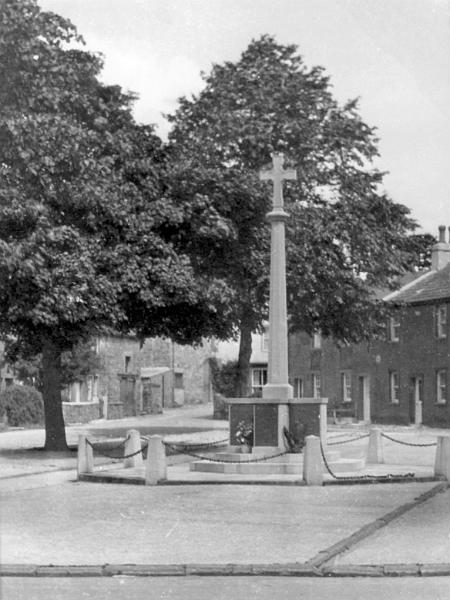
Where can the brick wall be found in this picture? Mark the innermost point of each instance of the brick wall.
(418, 353)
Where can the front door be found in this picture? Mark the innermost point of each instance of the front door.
(152, 394)
(415, 399)
(363, 404)
(127, 395)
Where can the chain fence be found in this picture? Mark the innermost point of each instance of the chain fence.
(427, 445)
(366, 477)
(97, 450)
(354, 439)
(194, 445)
(178, 450)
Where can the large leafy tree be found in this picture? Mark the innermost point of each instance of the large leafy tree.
(86, 234)
(345, 236)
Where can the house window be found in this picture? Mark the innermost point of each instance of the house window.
(441, 386)
(126, 365)
(394, 329)
(441, 321)
(317, 340)
(316, 385)
(178, 381)
(394, 387)
(346, 386)
(298, 388)
(259, 380)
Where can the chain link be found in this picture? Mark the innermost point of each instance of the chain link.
(198, 445)
(407, 443)
(387, 477)
(223, 461)
(359, 437)
(141, 450)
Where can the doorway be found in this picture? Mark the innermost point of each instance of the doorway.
(363, 406)
(127, 395)
(415, 400)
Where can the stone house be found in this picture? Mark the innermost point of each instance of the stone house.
(402, 378)
(137, 379)
(229, 351)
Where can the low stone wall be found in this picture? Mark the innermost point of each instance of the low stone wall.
(80, 412)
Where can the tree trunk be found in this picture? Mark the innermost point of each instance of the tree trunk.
(55, 434)
(243, 388)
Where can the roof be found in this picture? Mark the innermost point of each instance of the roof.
(427, 287)
(148, 372)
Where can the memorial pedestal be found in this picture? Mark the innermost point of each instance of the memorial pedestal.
(268, 416)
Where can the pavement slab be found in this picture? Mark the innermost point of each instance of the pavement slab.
(224, 588)
(90, 523)
(406, 539)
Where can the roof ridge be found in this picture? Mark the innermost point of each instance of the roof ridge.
(391, 295)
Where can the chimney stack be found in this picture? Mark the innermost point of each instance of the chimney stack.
(440, 252)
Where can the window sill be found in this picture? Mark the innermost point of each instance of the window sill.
(443, 403)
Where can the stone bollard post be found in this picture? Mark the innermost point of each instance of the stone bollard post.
(375, 448)
(156, 464)
(133, 444)
(442, 460)
(85, 460)
(312, 461)
(418, 413)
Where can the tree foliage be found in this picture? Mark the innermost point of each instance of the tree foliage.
(345, 236)
(87, 238)
(76, 365)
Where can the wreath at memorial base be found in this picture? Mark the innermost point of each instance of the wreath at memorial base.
(244, 433)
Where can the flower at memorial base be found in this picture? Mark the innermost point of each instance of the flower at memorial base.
(244, 433)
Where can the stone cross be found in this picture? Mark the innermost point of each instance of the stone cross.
(278, 387)
(277, 174)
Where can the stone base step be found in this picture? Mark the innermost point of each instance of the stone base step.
(260, 468)
(272, 467)
(231, 456)
(347, 465)
(331, 455)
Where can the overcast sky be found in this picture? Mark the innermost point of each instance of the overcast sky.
(393, 54)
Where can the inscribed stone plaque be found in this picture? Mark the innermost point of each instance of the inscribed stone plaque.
(266, 425)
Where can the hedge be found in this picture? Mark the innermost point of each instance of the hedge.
(23, 405)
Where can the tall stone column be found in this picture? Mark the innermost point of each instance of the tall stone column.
(278, 387)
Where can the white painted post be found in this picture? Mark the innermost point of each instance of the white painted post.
(438, 461)
(156, 467)
(85, 460)
(375, 448)
(418, 414)
(442, 461)
(133, 444)
(323, 421)
(312, 462)
(446, 457)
